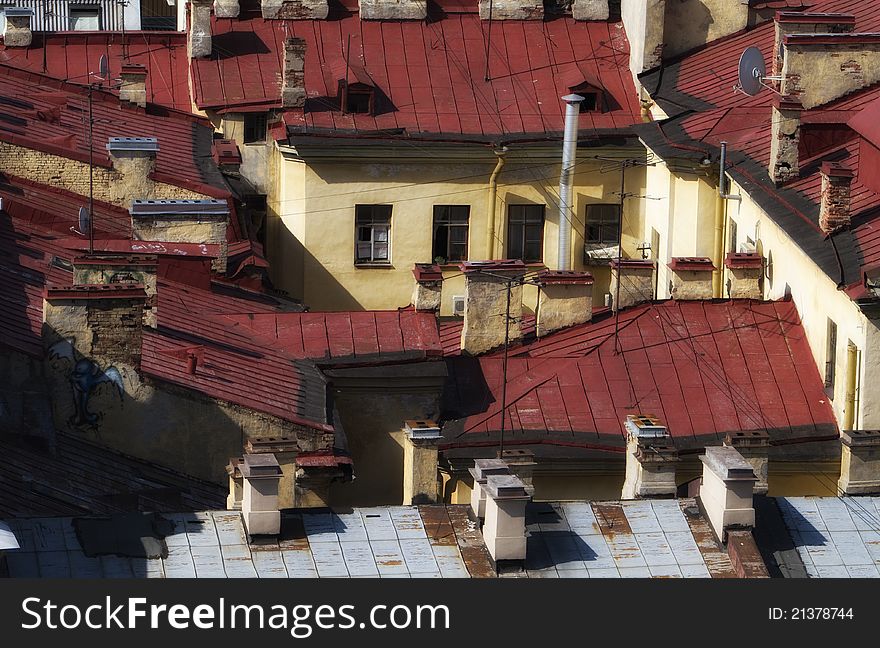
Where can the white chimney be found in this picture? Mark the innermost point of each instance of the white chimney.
(726, 490)
(480, 472)
(504, 530)
(859, 462)
(650, 459)
(259, 503)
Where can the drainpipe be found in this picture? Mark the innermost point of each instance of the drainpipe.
(569, 152)
(721, 223)
(849, 412)
(492, 200)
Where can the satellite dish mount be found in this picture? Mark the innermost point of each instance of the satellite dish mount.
(753, 73)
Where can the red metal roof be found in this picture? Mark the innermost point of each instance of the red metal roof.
(48, 115)
(72, 55)
(431, 74)
(704, 368)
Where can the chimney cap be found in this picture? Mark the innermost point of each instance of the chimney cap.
(560, 277)
(632, 263)
(485, 467)
(744, 260)
(469, 267)
(691, 264)
(116, 260)
(645, 426)
(427, 272)
(14, 12)
(260, 466)
(836, 170)
(97, 291)
(133, 144)
(506, 487)
(728, 463)
(804, 18)
(146, 207)
(422, 429)
(747, 439)
(133, 68)
(572, 98)
(847, 38)
(859, 438)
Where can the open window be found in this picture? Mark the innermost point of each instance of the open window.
(357, 98)
(594, 97)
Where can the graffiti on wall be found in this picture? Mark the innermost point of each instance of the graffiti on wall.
(85, 376)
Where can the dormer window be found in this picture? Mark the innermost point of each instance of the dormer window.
(594, 97)
(357, 98)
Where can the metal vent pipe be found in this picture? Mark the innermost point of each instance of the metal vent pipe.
(569, 153)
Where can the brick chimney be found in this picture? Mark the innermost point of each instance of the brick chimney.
(636, 282)
(651, 459)
(118, 269)
(260, 475)
(420, 462)
(818, 68)
(859, 462)
(428, 287)
(565, 298)
(834, 207)
(295, 9)
(393, 9)
(486, 296)
(133, 86)
(226, 9)
(512, 9)
(182, 221)
(504, 529)
(691, 277)
(17, 32)
(103, 322)
(481, 471)
(293, 86)
(785, 137)
(795, 22)
(590, 10)
(744, 273)
(726, 490)
(200, 28)
(133, 159)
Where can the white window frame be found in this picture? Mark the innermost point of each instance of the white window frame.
(85, 10)
(369, 251)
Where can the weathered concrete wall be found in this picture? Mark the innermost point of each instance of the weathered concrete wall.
(785, 137)
(691, 284)
(73, 175)
(636, 286)
(420, 479)
(18, 31)
(691, 23)
(745, 283)
(199, 42)
(192, 229)
(295, 9)
(512, 9)
(643, 21)
(563, 305)
(393, 9)
(226, 8)
(590, 10)
(817, 74)
(486, 311)
(255, 156)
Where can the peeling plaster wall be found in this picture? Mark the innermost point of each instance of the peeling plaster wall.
(818, 74)
(691, 23)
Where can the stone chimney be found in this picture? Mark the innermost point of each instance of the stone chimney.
(293, 86)
(17, 32)
(504, 530)
(486, 297)
(133, 159)
(295, 9)
(481, 471)
(102, 323)
(133, 86)
(226, 9)
(118, 269)
(393, 9)
(834, 207)
(859, 462)
(259, 502)
(182, 221)
(795, 22)
(420, 462)
(818, 68)
(428, 287)
(726, 490)
(512, 9)
(650, 459)
(785, 137)
(200, 28)
(590, 10)
(744, 273)
(521, 463)
(691, 277)
(754, 446)
(565, 298)
(635, 278)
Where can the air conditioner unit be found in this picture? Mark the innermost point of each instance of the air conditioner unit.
(645, 427)
(458, 305)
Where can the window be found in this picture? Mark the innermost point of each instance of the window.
(255, 128)
(590, 102)
(357, 98)
(525, 233)
(85, 18)
(830, 356)
(373, 233)
(450, 233)
(603, 224)
(593, 97)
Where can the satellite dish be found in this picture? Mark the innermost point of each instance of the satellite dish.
(103, 67)
(751, 71)
(84, 221)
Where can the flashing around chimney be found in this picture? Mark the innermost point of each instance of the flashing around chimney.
(859, 462)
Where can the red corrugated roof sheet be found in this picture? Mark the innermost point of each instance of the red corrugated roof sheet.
(431, 75)
(704, 368)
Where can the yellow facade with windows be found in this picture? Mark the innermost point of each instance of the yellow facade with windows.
(316, 188)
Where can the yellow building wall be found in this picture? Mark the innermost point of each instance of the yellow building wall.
(312, 221)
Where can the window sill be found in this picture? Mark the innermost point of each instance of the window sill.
(367, 265)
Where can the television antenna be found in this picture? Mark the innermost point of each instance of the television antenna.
(752, 73)
(100, 76)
